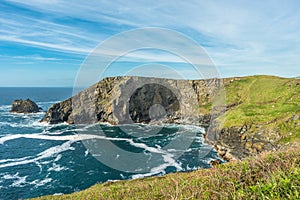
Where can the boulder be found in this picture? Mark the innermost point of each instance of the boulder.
(24, 106)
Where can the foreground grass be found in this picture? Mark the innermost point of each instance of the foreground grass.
(273, 175)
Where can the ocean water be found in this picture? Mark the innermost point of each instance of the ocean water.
(40, 159)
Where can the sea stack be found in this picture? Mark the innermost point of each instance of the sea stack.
(24, 106)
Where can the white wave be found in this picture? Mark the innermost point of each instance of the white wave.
(36, 136)
(19, 181)
(17, 125)
(51, 152)
(14, 160)
(27, 123)
(199, 139)
(161, 168)
(72, 138)
(176, 150)
(44, 162)
(47, 124)
(54, 151)
(106, 124)
(5, 123)
(58, 194)
(207, 160)
(27, 115)
(142, 126)
(192, 168)
(58, 157)
(5, 107)
(47, 132)
(57, 168)
(38, 183)
(9, 176)
(167, 157)
(86, 152)
(39, 166)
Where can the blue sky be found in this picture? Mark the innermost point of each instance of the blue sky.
(43, 43)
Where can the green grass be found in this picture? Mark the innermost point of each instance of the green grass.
(273, 175)
(265, 101)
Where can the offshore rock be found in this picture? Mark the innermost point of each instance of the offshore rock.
(26, 106)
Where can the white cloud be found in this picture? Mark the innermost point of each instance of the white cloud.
(241, 34)
(62, 48)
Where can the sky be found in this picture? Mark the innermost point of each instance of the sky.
(44, 43)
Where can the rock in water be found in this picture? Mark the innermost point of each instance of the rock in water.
(26, 106)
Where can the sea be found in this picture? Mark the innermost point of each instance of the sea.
(39, 159)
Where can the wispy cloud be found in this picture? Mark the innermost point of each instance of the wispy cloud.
(37, 58)
(57, 47)
(245, 36)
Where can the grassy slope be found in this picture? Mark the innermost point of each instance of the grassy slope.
(265, 102)
(269, 176)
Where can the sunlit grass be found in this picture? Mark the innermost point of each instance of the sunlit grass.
(265, 101)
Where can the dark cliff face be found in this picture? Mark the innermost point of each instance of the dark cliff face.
(121, 100)
(59, 112)
(152, 102)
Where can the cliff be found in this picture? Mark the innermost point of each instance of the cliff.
(242, 116)
(120, 100)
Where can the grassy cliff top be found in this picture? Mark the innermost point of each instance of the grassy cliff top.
(264, 102)
(273, 175)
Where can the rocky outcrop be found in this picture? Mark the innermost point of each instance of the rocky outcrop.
(238, 143)
(120, 100)
(24, 106)
(59, 112)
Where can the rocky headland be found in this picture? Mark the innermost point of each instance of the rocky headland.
(242, 116)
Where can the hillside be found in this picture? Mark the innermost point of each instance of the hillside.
(263, 113)
(265, 104)
(275, 175)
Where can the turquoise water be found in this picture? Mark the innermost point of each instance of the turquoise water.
(40, 159)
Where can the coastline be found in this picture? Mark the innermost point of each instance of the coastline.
(243, 125)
